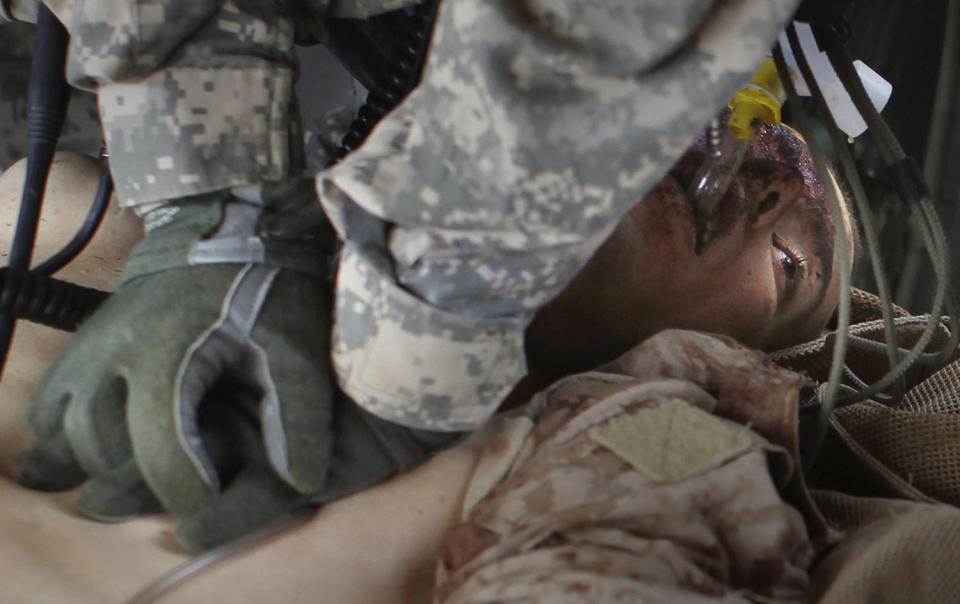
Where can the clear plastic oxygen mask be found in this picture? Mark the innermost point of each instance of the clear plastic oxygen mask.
(754, 105)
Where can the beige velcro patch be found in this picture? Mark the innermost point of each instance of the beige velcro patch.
(672, 441)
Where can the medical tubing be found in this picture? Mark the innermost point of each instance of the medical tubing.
(930, 220)
(714, 178)
(718, 170)
(891, 347)
(933, 243)
(930, 229)
(843, 257)
(937, 133)
(45, 300)
(934, 239)
(863, 208)
(47, 101)
(929, 214)
(86, 232)
(903, 170)
(869, 233)
(204, 561)
(399, 79)
(869, 345)
(853, 377)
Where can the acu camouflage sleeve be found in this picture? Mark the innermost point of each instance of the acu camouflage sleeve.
(195, 95)
(536, 125)
(80, 133)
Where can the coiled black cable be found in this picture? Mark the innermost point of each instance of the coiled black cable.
(47, 101)
(28, 295)
(398, 73)
(33, 294)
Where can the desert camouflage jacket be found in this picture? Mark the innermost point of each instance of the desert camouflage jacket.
(672, 475)
(656, 478)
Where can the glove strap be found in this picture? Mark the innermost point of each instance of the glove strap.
(219, 228)
(220, 342)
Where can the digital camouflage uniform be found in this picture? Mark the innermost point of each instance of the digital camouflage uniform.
(535, 127)
(81, 132)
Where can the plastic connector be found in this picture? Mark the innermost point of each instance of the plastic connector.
(758, 102)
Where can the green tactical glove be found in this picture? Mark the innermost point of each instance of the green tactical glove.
(203, 386)
(207, 310)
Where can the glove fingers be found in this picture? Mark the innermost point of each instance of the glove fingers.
(86, 356)
(45, 408)
(296, 411)
(95, 423)
(295, 417)
(49, 461)
(160, 453)
(120, 494)
(256, 498)
(50, 465)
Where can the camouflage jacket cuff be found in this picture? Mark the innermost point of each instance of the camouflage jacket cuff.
(188, 130)
(410, 363)
(222, 228)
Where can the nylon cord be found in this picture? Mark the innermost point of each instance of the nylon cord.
(930, 227)
(843, 260)
(232, 549)
(863, 209)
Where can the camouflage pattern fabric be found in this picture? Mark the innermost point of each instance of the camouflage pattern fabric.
(325, 115)
(535, 127)
(195, 96)
(641, 481)
(81, 132)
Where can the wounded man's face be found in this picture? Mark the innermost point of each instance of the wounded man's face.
(768, 275)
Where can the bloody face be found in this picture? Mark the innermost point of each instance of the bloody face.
(768, 275)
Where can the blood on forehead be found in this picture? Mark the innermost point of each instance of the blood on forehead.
(780, 143)
(783, 144)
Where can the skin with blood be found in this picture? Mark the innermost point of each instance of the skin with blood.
(646, 277)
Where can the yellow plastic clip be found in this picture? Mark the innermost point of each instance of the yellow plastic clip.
(759, 101)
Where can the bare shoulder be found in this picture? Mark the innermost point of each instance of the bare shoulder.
(379, 545)
(49, 554)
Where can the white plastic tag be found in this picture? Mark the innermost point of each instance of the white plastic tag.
(841, 107)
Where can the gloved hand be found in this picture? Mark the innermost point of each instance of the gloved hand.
(120, 411)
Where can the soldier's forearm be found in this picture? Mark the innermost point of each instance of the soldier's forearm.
(536, 125)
